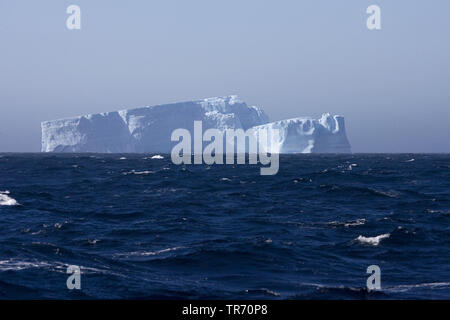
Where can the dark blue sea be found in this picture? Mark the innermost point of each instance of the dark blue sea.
(143, 228)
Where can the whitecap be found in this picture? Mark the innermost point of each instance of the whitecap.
(154, 253)
(357, 222)
(411, 160)
(15, 265)
(374, 241)
(142, 172)
(123, 158)
(18, 265)
(225, 179)
(351, 223)
(138, 172)
(5, 200)
(264, 290)
(323, 286)
(406, 287)
(149, 253)
(389, 193)
(158, 156)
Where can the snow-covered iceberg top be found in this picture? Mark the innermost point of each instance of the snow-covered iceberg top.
(148, 129)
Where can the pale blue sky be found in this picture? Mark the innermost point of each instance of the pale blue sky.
(293, 58)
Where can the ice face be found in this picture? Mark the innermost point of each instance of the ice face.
(306, 135)
(149, 129)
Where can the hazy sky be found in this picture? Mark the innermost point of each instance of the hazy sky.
(292, 58)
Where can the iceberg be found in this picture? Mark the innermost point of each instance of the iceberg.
(148, 129)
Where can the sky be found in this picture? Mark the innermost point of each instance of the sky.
(290, 57)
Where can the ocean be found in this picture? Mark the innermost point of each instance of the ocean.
(140, 227)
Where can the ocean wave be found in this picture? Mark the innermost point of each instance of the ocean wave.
(17, 265)
(324, 291)
(407, 287)
(374, 241)
(138, 172)
(148, 253)
(388, 193)
(263, 291)
(158, 156)
(5, 200)
(319, 286)
(351, 223)
(231, 244)
(385, 289)
(355, 223)
(56, 266)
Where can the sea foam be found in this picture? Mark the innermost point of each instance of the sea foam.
(374, 241)
(5, 200)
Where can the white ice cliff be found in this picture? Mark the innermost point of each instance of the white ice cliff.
(149, 129)
(306, 135)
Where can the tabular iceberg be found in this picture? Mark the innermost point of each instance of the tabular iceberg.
(148, 129)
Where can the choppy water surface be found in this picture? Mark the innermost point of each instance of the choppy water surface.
(144, 228)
